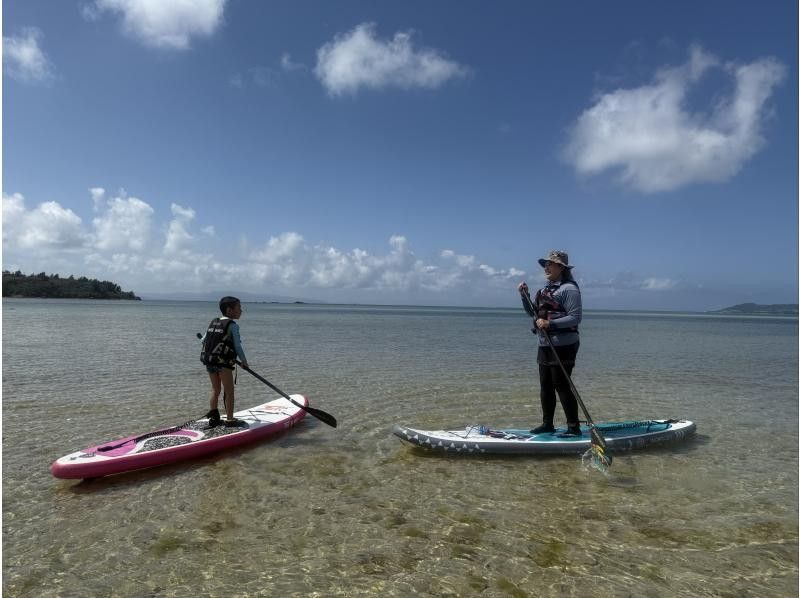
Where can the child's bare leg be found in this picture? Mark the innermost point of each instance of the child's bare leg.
(226, 376)
(216, 387)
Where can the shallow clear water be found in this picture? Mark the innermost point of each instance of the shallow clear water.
(351, 511)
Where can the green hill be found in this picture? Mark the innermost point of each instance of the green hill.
(775, 309)
(17, 284)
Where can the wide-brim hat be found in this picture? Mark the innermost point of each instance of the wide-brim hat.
(558, 257)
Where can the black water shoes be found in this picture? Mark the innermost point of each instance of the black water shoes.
(543, 429)
(571, 431)
(213, 418)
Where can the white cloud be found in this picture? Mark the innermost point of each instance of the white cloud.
(48, 227)
(658, 284)
(123, 225)
(659, 142)
(24, 60)
(98, 197)
(359, 59)
(13, 213)
(178, 236)
(632, 281)
(123, 243)
(169, 24)
(287, 260)
(287, 64)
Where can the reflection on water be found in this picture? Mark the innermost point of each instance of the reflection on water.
(351, 511)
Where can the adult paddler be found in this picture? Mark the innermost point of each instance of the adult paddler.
(556, 311)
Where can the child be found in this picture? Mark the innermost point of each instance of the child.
(221, 347)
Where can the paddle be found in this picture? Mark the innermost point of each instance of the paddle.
(599, 451)
(318, 413)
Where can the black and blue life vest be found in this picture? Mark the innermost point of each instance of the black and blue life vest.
(218, 349)
(548, 307)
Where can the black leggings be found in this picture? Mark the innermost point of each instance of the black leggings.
(552, 380)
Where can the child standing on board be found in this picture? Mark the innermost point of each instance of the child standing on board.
(221, 347)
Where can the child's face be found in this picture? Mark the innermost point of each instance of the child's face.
(235, 312)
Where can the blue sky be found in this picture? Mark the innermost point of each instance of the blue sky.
(405, 152)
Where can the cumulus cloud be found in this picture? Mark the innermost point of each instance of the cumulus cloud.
(98, 197)
(632, 281)
(159, 24)
(124, 224)
(23, 58)
(178, 236)
(359, 59)
(658, 284)
(47, 227)
(659, 142)
(123, 241)
(289, 261)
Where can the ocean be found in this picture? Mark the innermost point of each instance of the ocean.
(352, 511)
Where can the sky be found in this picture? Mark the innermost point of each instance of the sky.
(405, 152)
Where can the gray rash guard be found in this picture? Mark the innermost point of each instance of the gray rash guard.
(569, 297)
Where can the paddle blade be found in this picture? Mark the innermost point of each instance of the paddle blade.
(321, 415)
(597, 439)
(601, 458)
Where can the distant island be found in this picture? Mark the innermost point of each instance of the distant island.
(42, 285)
(775, 309)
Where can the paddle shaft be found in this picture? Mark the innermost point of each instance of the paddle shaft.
(318, 413)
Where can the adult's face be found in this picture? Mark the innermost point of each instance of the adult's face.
(553, 271)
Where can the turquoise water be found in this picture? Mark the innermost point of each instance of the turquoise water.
(351, 511)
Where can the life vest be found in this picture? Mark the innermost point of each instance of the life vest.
(548, 307)
(218, 347)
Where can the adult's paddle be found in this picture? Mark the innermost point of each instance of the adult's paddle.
(599, 450)
(318, 413)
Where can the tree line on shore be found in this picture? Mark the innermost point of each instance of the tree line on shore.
(17, 284)
(775, 309)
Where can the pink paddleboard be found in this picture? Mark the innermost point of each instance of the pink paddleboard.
(194, 439)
